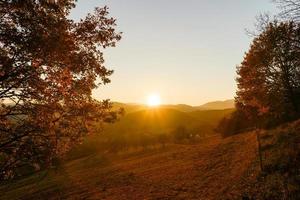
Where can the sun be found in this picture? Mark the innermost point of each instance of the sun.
(153, 100)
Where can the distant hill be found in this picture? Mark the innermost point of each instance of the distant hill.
(211, 117)
(152, 120)
(149, 125)
(141, 124)
(181, 107)
(217, 105)
(164, 120)
(132, 107)
(129, 107)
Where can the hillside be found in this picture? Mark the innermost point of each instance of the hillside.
(164, 120)
(129, 107)
(181, 107)
(215, 105)
(211, 117)
(150, 127)
(215, 168)
(176, 172)
(145, 125)
(155, 120)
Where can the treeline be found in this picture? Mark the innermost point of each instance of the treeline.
(136, 141)
(142, 140)
(268, 79)
(145, 139)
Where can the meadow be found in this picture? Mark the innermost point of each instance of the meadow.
(65, 134)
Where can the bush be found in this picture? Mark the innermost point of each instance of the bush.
(181, 133)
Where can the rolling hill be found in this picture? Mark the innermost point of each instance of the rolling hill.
(164, 120)
(149, 126)
(215, 105)
(155, 119)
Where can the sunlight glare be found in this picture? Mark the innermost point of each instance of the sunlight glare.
(153, 100)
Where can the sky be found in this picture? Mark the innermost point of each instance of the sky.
(184, 51)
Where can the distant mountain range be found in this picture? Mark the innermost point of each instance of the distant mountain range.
(215, 105)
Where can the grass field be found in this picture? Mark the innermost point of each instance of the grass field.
(207, 170)
(214, 168)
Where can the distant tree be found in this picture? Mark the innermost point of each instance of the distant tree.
(49, 65)
(117, 144)
(162, 139)
(181, 133)
(269, 77)
(235, 123)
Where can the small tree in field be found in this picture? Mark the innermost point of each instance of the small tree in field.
(181, 133)
(162, 139)
(49, 66)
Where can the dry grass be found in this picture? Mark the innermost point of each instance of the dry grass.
(215, 168)
(212, 169)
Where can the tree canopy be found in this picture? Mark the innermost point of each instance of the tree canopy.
(269, 77)
(49, 66)
(268, 80)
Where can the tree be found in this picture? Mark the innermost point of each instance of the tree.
(162, 139)
(269, 77)
(236, 122)
(290, 9)
(181, 133)
(49, 66)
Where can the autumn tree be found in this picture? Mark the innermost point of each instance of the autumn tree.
(49, 66)
(269, 77)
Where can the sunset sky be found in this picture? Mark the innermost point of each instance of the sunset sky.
(185, 51)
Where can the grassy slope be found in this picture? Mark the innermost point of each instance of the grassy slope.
(206, 170)
(281, 162)
(216, 168)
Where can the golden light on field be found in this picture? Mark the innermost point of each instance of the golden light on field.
(153, 100)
